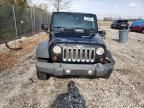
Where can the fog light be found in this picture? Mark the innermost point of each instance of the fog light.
(68, 71)
(90, 72)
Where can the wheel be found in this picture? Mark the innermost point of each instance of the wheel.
(42, 76)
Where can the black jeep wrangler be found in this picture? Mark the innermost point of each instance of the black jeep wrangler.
(75, 48)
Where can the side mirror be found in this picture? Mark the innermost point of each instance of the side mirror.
(45, 27)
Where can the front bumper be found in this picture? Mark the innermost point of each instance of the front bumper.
(62, 69)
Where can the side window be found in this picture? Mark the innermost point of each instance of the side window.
(114, 22)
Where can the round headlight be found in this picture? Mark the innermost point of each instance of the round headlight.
(100, 51)
(57, 49)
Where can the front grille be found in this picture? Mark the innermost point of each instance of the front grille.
(74, 54)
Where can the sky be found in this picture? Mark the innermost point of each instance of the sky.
(128, 8)
(110, 7)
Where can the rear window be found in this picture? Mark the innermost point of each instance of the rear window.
(119, 21)
(125, 21)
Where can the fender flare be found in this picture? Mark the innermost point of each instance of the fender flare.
(42, 50)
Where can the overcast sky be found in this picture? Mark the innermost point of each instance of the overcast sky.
(133, 8)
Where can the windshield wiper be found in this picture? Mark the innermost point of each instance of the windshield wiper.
(58, 29)
(62, 29)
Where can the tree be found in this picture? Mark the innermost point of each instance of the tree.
(21, 3)
(59, 5)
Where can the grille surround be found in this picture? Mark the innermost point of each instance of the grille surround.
(78, 54)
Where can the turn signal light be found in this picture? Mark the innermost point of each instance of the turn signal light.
(55, 58)
(102, 60)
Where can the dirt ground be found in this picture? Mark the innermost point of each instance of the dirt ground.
(9, 58)
(20, 88)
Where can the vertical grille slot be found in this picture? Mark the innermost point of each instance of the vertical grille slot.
(64, 54)
(83, 54)
(87, 55)
(74, 54)
(69, 54)
(92, 55)
(78, 54)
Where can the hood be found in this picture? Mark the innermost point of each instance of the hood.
(96, 40)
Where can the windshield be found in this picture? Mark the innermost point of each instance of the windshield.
(74, 20)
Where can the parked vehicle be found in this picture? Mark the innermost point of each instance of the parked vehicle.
(137, 26)
(75, 48)
(120, 24)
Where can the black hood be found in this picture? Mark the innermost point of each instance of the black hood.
(94, 40)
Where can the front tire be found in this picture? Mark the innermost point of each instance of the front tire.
(42, 76)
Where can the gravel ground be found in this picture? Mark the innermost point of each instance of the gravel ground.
(20, 88)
